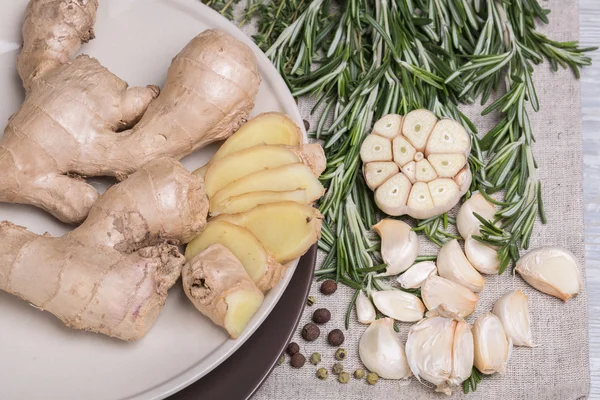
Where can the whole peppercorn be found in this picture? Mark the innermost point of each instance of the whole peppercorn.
(321, 316)
(281, 359)
(292, 348)
(315, 358)
(372, 378)
(337, 368)
(328, 287)
(344, 377)
(340, 354)
(335, 337)
(322, 373)
(298, 360)
(310, 300)
(359, 373)
(311, 332)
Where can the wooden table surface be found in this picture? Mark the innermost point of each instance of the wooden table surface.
(590, 100)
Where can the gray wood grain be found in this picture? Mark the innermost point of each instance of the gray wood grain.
(590, 92)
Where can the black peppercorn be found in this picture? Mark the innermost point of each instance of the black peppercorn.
(328, 287)
(335, 337)
(311, 332)
(292, 348)
(321, 316)
(298, 360)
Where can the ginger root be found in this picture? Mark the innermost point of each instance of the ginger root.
(111, 274)
(75, 118)
(219, 287)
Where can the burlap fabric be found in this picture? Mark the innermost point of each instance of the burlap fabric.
(559, 367)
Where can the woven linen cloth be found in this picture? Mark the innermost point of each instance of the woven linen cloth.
(559, 367)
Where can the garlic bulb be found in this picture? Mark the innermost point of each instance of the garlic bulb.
(382, 352)
(482, 257)
(399, 245)
(365, 311)
(551, 270)
(399, 305)
(429, 349)
(463, 353)
(414, 277)
(466, 222)
(492, 347)
(447, 298)
(513, 312)
(452, 264)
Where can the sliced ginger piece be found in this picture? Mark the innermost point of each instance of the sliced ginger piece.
(260, 265)
(448, 136)
(246, 161)
(424, 172)
(419, 201)
(388, 126)
(377, 172)
(286, 229)
(404, 152)
(217, 284)
(266, 128)
(376, 148)
(410, 171)
(417, 126)
(391, 197)
(447, 165)
(287, 177)
(248, 201)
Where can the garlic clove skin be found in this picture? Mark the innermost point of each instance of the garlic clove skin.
(513, 312)
(405, 307)
(452, 264)
(382, 352)
(466, 222)
(365, 311)
(399, 245)
(447, 298)
(414, 277)
(429, 349)
(492, 346)
(482, 257)
(552, 270)
(463, 354)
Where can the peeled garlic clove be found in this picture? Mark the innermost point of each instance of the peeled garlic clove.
(492, 346)
(424, 172)
(376, 148)
(403, 151)
(376, 173)
(365, 311)
(448, 136)
(513, 312)
(410, 171)
(420, 202)
(447, 165)
(551, 270)
(447, 298)
(462, 354)
(466, 222)
(417, 126)
(382, 352)
(391, 196)
(399, 245)
(429, 349)
(452, 264)
(482, 257)
(388, 126)
(399, 305)
(414, 277)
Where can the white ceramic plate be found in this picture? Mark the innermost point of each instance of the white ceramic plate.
(39, 357)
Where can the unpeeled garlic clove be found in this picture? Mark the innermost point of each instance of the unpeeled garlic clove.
(492, 346)
(452, 264)
(482, 257)
(447, 298)
(399, 245)
(365, 311)
(552, 270)
(414, 277)
(429, 349)
(382, 352)
(513, 312)
(399, 305)
(466, 222)
(463, 353)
